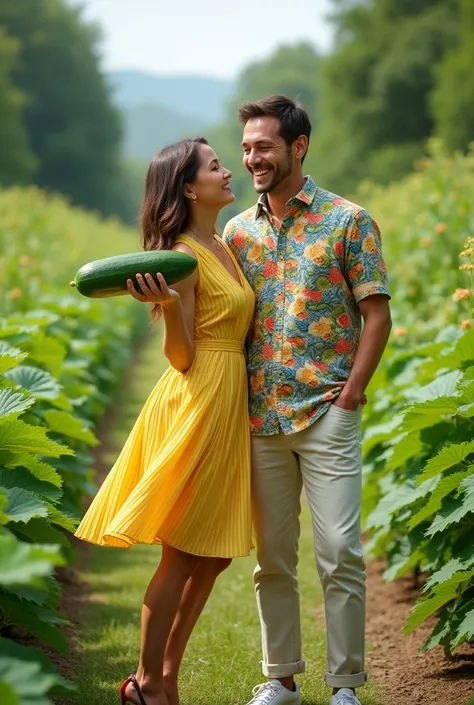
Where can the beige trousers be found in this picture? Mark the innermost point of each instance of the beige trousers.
(326, 459)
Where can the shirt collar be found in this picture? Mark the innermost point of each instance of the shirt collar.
(306, 196)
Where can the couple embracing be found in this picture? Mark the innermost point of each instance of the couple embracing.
(269, 364)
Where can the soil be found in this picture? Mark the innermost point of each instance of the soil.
(408, 675)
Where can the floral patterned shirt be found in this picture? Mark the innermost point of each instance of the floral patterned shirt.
(308, 279)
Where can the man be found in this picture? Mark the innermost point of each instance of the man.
(315, 263)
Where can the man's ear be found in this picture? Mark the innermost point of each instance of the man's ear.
(301, 146)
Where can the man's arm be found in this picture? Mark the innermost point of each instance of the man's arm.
(377, 325)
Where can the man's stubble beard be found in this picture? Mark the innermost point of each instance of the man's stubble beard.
(281, 172)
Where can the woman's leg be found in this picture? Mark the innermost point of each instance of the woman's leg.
(160, 606)
(194, 597)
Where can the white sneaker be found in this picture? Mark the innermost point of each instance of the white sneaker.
(274, 693)
(345, 696)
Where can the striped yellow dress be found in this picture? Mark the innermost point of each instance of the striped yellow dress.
(183, 476)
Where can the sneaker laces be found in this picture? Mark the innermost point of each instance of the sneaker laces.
(344, 699)
(264, 693)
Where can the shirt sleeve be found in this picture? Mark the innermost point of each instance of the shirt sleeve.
(365, 270)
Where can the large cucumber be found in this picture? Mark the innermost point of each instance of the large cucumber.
(108, 277)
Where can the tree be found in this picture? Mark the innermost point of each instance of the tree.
(376, 85)
(73, 129)
(452, 100)
(16, 161)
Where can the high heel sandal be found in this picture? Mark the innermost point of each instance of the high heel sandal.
(131, 679)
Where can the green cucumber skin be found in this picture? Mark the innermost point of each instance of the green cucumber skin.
(108, 277)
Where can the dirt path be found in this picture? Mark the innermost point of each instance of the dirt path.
(409, 676)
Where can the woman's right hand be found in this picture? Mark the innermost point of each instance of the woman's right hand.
(150, 293)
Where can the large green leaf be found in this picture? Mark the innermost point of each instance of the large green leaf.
(442, 387)
(468, 374)
(41, 531)
(401, 496)
(26, 680)
(466, 410)
(465, 631)
(42, 471)
(22, 563)
(378, 433)
(13, 403)
(67, 425)
(21, 477)
(441, 632)
(448, 457)
(41, 384)
(20, 437)
(461, 353)
(62, 520)
(40, 316)
(441, 595)
(23, 505)
(46, 350)
(10, 357)
(429, 412)
(406, 447)
(62, 402)
(404, 557)
(454, 509)
(445, 573)
(29, 654)
(41, 622)
(445, 486)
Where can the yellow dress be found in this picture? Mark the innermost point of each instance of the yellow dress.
(183, 476)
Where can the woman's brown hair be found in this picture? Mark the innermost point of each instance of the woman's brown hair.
(165, 211)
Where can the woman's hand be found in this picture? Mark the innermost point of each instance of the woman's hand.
(150, 293)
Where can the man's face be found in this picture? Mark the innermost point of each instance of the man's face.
(266, 154)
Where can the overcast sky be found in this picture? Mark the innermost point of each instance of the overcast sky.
(203, 36)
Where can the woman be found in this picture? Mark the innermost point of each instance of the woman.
(183, 477)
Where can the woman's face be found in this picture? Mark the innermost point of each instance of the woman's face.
(211, 186)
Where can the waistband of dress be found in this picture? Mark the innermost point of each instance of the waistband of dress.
(224, 344)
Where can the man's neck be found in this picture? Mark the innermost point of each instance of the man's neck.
(277, 200)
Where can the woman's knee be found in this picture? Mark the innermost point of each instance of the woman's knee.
(210, 568)
(221, 564)
(185, 563)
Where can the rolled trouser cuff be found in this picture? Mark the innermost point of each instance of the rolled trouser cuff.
(283, 670)
(352, 680)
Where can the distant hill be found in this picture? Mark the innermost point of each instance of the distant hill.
(199, 96)
(158, 110)
(149, 127)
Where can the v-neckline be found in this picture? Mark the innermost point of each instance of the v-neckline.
(238, 271)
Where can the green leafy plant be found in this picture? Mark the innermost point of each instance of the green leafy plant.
(419, 441)
(61, 357)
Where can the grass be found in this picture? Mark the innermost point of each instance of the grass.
(222, 662)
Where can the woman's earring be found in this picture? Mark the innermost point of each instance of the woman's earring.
(194, 197)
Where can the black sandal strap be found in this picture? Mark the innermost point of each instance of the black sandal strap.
(134, 682)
